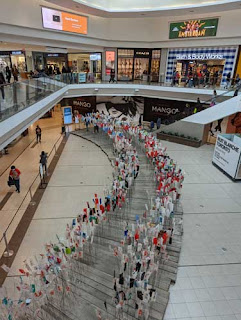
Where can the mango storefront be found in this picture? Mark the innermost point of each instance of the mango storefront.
(218, 62)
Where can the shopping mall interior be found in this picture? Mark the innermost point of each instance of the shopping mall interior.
(120, 160)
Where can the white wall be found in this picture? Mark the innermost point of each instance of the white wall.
(111, 32)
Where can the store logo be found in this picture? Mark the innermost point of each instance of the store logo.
(142, 53)
(167, 111)
(83, 104)
(201, 56)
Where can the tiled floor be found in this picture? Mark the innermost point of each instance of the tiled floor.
(208, 284)
(67, 192)
(27, 160)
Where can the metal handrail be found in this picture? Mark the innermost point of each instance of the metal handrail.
(28, 192)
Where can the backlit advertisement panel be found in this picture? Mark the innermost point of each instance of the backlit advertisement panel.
(64, 21)
(196, 28)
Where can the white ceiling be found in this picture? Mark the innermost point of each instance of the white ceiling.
(137, 8)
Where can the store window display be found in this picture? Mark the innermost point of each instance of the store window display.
(125, 64)
(90, 63)
(139, 64)
(18, 59)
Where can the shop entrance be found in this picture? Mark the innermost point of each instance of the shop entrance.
(206, 72)
(19, 61)
(56, 62)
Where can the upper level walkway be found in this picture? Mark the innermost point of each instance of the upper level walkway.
(25, 102)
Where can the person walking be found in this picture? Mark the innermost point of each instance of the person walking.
(112, 76)
(2, 83)
(14, 174)
(43, 161)
(38, 131)
(8, 74)
(158, 123)
(152, 124)
(228, 78)
(15, 73)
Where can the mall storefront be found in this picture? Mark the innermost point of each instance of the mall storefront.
(13, 58)
(138, 64)
(197, 61)
(55, 60)
(89, 63)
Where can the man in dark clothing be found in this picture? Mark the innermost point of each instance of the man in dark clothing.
(38, 133)
(2, 82)
(43, 160)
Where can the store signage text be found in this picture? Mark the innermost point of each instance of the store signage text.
(227, 146)
(82, 104)
(201, 56)
(16, 52)
(142, 53)
(165, 110)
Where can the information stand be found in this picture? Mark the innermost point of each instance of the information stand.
(227, 154)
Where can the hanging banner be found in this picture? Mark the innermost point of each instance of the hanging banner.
(193, 28)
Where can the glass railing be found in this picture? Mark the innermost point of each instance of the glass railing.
(183, 82)
(17, 96)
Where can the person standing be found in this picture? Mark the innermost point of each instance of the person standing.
(112, 76)
(158, 123)
(2, 83)
(152, 125)
(8, 74)
(43, 160)
(38, 131)
(228, 78)
(15, 73)
(14, 174)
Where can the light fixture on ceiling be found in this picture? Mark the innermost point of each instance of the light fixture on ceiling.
(96, 89)
(136, 90)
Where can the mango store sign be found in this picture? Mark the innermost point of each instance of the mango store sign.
(200, 56)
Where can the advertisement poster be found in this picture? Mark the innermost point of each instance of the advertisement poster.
(168, 110)
(67, 114)
(80, 105)
(226, 155)
(230, 124)
(109, 61)
(122, 108)
(193, 28)
(82, 77)
(64, 21)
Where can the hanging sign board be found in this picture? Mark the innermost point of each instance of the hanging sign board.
(196, 28)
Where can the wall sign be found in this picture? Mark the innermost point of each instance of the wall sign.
(193, 28)
(226, 155)
(80, 105)
(203, 56)
(168, 110)
(82, 77)
(142, 53)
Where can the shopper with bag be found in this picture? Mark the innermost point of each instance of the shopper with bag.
(14, 175)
